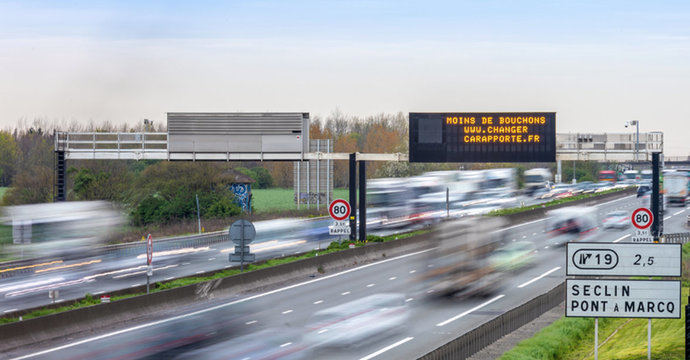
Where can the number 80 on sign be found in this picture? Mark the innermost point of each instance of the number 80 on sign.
(339, 209)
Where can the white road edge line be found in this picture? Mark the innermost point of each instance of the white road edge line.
(539, 277)
(287, 311)
(676, 213)
(443, 323)
(318, 302)
(666, 218)
(143, 326)
(10, 310)
(391, 346)
(621, 238)
(250, 322)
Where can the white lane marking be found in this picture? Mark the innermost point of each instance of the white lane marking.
(286, 344)
(430, 291)
(135, 285)
(666, 218)
(409, 299)
(539, 277)
(168, 278)
(287, 311)
(200, 272)
(371, 285)
(621, 238)
(676, 213)
(154, 323)
(9, 311)
(250, 322)
(443, 323)
(413, 271)
(524, 236)
(211, 259)
(98, 292)
(391, 346)
(523, 224)
(322, 331)
(318, 302)
(185, 264)
(392, 278)
(546, 247)
(534, 233)
(345, 293)
(143, 272)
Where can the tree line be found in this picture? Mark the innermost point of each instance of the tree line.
(162, 191)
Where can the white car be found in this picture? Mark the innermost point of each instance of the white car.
(616, 220)
(358, 321)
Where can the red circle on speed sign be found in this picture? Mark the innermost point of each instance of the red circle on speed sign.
(642, 218)
(339, 209)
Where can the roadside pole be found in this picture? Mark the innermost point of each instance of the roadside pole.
(362, 201)
(596, 338)
(656, 205)
(353, 196)
(149, 258)
(447, 202)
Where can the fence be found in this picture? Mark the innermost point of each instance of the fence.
(473, 341)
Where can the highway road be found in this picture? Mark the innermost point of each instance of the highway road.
(278, 319)
(103, 274)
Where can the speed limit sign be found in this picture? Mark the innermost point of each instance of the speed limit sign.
(339, 209)
(642, 218)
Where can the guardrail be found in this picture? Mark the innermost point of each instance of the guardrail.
(676, 238)
(478, 338)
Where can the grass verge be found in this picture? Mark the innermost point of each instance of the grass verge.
(88, 300)
(622, 339)
(270, 200)
(510, 211)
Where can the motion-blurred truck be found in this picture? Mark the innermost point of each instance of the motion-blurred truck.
(463, 263)
(676, 188)
(536, 179)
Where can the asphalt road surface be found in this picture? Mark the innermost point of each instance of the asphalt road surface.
(280, 319)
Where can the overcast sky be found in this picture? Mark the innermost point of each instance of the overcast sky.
(596, 63)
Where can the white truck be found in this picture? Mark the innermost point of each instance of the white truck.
(676, 188)
(535, 179)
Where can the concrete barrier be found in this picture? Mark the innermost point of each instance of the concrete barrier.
(485, 334)
(99, 316)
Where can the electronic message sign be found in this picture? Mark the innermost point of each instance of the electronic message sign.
(483, 137)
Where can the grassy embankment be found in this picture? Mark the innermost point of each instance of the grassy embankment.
(573, 338)
(333, 247)
(515, 210)
(271, 200)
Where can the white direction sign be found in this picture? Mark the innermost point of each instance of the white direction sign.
(659, 299)
(623, 259)
(339, 228)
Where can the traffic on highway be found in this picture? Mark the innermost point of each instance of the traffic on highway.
(479, 266)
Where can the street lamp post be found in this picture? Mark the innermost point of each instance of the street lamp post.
(637, 137)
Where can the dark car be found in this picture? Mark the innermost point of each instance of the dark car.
(643, 190)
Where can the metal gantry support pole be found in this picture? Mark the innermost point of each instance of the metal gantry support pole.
(656, 204)
(318, 183)
(299, 175)
(353, 196)
(362, 200)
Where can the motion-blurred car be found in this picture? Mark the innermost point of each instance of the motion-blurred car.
(571, 224)
(643, 190)
(357, 322)
(514, 256)
(262, 345)
(616, 220)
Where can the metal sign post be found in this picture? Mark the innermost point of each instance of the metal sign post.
(149, 258)
(242, 233)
